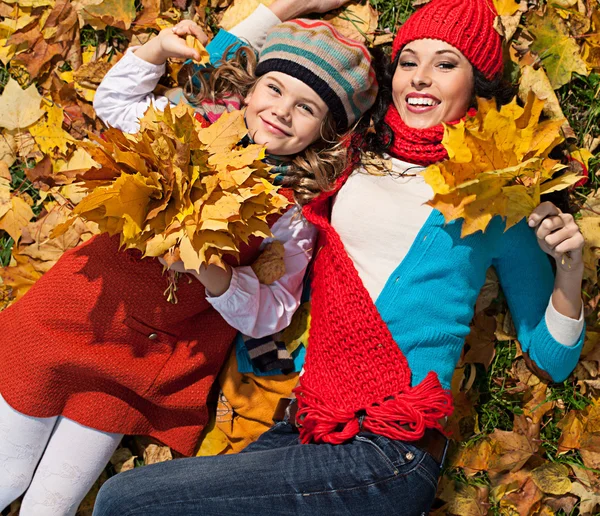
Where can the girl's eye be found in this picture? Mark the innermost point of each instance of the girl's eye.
(307, 108)
(274, 88)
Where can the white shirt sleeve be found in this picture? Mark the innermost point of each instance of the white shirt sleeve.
(254, 28)
(259, 310)
(126, 92)
(563, 329)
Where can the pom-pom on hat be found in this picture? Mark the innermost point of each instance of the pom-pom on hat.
(467, 25)
(338, 69)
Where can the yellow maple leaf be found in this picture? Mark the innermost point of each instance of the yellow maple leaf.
(15, 213)
(19, 108)
(498, 165)
(49, 134)
(176, 189)
(193, 42)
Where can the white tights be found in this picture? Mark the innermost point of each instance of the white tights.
(54, 459)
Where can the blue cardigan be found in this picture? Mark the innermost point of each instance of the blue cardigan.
(428, 301)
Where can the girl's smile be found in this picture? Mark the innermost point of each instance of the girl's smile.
(284, 114)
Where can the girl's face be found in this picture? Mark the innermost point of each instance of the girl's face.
(284, 114)
(433, 83)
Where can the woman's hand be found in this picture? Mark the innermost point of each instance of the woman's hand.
(171, 43)
(559, 236)
(288, 9)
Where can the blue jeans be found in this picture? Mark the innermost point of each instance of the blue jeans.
(276, 476)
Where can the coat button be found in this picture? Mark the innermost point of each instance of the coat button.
(153, 336)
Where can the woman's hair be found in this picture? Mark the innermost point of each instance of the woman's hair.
(313, 170)
(381, 136)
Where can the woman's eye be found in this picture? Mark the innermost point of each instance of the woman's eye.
(447, 66)
(407, 64)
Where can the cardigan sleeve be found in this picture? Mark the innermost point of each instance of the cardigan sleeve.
(526, 277)
(125, 93)
(259, 310)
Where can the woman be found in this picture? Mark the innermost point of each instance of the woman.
(393, 294)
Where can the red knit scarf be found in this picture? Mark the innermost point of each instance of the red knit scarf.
(356, 376)
(418, 146)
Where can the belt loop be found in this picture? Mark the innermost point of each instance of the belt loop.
(361, 414)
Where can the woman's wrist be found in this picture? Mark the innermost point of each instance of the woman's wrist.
(566, 296)
(289, 9)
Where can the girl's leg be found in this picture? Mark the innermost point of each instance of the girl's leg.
(73, 460)
(22, 442)
(368, 476)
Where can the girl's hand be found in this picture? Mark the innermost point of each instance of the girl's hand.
(214, 279)
(559, 236)
(171, 43)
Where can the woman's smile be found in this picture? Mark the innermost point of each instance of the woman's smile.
(421, 103)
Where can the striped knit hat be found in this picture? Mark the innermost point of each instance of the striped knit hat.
(467, 25)
(338, 69)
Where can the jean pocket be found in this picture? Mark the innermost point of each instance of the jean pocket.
(401, 457)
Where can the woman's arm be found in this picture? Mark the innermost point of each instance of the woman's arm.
(250, 307)
(552, 339)
(559, 236)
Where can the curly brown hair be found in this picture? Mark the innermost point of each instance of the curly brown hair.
(313, 170)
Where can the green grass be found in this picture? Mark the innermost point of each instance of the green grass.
(392, 12)
(497, 405)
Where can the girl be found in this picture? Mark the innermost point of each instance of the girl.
(393, 293)
(94, 349)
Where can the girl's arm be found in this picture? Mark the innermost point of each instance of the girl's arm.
(552, 336)
(125, 93)
(250, 307)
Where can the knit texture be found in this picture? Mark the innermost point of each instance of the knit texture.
(418, 146)
(338, 69)
(356, 377)
(467, 25)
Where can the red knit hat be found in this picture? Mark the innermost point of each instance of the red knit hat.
(467, 25)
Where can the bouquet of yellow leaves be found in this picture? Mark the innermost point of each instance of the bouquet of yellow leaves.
(178, 190)
(498, 165)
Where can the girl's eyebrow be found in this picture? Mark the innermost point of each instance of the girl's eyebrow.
(303, 99)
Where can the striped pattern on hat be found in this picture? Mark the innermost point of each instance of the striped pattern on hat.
(467, 25)
(338, 69)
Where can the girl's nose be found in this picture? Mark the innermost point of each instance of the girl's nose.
(282, 109)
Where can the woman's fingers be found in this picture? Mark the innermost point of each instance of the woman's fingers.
(542, 211)
(548, 226)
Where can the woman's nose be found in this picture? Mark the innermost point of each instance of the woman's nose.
(420, 78)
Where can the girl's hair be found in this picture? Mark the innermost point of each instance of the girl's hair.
(313, 170)
(381, 136)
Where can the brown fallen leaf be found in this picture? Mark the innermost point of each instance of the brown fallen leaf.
(269, 266)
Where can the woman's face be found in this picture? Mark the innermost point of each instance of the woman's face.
(433, 83)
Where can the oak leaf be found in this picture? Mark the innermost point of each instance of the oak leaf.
(498, 162)
(239, 10)
(356, 20)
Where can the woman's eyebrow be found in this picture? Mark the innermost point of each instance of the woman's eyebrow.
(447, 51)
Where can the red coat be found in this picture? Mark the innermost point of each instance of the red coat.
(96, 341)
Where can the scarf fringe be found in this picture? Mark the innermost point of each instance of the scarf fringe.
(404, 417)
